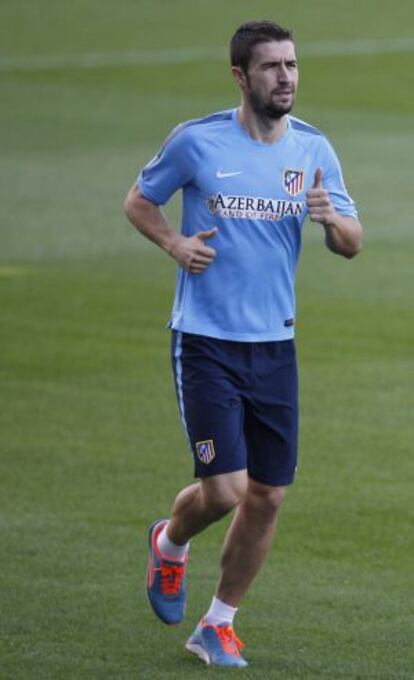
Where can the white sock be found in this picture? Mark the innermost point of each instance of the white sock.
(220, 612)
(168, 549)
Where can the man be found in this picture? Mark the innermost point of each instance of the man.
(249, 177)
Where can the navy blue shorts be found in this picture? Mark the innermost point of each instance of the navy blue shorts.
(238, 404)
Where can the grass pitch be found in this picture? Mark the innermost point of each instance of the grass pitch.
(91, 445)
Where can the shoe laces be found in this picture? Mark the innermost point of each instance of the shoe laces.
(171, 578)
(228, 638)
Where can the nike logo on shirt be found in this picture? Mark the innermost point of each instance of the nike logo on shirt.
(221, 175)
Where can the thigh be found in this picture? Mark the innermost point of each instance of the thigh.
(271, 417)
(210, 405)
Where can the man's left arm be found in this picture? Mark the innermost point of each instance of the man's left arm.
(343, 233)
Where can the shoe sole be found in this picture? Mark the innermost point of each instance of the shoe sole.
(199, 651)
(202, 654)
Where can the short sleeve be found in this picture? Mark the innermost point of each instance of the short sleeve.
(172, 168)
(333, 181)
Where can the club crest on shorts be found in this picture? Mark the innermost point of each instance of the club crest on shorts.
(205, 451)
(293, 181)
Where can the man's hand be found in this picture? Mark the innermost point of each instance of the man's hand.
(191, 253)
(318, 202)
(343, 233)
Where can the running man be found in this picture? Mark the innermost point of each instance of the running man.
(249, 178)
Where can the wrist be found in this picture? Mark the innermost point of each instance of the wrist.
(170, 242)
(331, 220)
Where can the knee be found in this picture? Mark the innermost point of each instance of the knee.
(265, 500)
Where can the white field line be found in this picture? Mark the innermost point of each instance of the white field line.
(57, 62)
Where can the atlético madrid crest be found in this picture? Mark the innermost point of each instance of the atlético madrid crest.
(293, 181)
(205, 451)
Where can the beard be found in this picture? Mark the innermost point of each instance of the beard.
(267, 108)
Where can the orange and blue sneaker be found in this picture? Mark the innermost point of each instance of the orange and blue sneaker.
(166, 582)
(216, 645)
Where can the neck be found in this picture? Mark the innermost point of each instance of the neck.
(262, 128)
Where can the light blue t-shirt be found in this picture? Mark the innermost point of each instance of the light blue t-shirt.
(255, 194)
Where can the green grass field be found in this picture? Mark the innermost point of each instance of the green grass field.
(91, 444)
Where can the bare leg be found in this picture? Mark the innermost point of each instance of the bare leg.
(204, 502)
(248, 540)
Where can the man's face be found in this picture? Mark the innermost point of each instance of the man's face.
(271, 80)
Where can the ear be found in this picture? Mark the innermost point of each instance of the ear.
(238, 75)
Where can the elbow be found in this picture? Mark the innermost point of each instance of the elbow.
(353, 252)
(355, 246)
(348, 250)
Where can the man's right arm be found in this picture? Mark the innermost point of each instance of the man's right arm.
(190, 252)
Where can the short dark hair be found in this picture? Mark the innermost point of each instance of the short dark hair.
(250, 34)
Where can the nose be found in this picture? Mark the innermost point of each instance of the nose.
(282, 74)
